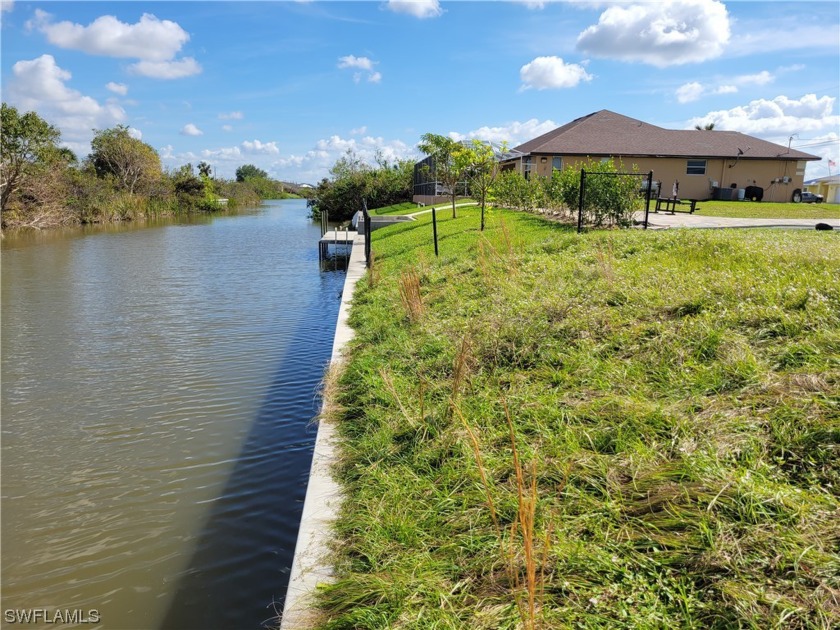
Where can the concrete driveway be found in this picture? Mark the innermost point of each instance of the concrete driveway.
(662, 221)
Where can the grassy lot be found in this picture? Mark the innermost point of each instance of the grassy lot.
(734, 209)
(767, 210)
(617, 429)
(411, 208)
(400, 208)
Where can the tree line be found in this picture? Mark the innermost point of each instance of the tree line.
(353, 182)
(45, 185)
(610, 196)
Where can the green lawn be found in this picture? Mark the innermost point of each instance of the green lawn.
(400, 208)
(619, 429)
(411, 208)
(767, 210)
(734, 209)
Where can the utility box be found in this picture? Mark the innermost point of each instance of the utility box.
(723, 194)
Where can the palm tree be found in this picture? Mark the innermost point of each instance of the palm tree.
(706, 127)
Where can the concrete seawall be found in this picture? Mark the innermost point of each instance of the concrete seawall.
(323, 496)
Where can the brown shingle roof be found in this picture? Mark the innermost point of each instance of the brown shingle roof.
(606, 133)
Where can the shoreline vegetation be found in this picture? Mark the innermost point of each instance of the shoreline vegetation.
(45, 185)
(541, 429)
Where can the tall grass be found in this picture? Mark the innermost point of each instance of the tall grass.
(615, 429)
(412, 300)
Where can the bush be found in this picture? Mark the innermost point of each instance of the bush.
(238, 194)
(609, 197)
(353, 182)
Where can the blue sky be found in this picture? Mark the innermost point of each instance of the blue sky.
(291, 86)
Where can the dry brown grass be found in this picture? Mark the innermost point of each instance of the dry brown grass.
(412, 300)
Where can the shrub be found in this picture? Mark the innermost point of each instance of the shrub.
(610, 198)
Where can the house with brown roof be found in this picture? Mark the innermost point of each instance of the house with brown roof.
(705, 164)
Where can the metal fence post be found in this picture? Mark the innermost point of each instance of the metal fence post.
(367, 233)
(434, 229)
(580, 201)
(647, 197)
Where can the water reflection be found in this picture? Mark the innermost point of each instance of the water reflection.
(245, 534)
(157, 386)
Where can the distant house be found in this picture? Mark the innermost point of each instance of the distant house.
(427, 188)
(705, 164)
(828, 187)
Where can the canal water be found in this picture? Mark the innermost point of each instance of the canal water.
(158, 388)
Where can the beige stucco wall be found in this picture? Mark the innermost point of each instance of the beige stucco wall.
(830, 190)
(667, 170)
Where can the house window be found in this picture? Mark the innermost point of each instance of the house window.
(695, 167)
(526, 167)
(556, 164)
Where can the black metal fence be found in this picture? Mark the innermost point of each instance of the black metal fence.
(647, 187)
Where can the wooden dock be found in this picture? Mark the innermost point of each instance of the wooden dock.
(336, 238)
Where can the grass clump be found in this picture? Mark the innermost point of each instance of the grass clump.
(615, 429)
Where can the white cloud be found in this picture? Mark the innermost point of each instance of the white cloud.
(824, 145)
(6, 5)
(177, 69)
(351, 61)
(117, 88)
(149, 39)
(359, 131)
(154, 42)
(314, 165)
(661, 33)
(310, 166)
(514, 133)
(796, 67)
(232, 116)
(227, 127)
(690, 92)
(191, 130)
(552, 73)
(267, 148)
(40, 85)
(762, 78)
(694, 90)
(227, 158)
(225, 154)
(418, 8)
(764, 37)
(778, 118)
(536, 5)
(360, 63)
